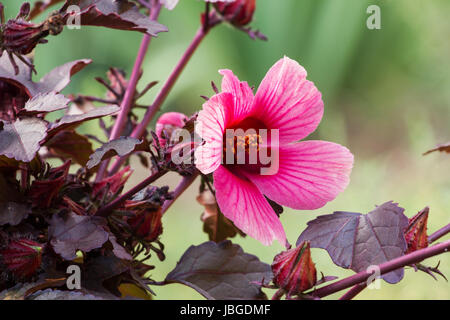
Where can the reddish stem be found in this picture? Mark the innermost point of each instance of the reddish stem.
(439, 234)
(353, 292)
(182, 186)
(106, 210)
(126, 104)
(151, 111)
(360, 287)
(386, 267)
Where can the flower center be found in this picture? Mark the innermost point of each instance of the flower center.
(245, 146)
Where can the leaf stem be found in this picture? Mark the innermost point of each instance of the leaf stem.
(106, 210)
(279, 294)
(182, 186)
(353, 292)
(386, 267)
(439, 234)
(128, 98)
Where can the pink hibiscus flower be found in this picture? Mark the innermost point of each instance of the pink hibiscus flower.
(309, 173)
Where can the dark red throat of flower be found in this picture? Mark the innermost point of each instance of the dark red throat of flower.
(246, 147)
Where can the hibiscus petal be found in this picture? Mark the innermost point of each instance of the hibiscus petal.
(211, 123)
(287, 101)
(310, 174)
(242, 93)
(241, 202)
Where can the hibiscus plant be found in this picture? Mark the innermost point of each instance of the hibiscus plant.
(244, 146)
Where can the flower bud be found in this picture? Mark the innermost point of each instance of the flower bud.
(21, 36)
(167, 125)
(294, 270)
(147, 224)
(22, 257)
(416, 233)
(239, 12)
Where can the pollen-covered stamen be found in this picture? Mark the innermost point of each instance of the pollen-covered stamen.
(242, 144)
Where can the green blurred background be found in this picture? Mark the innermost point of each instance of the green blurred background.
(386, 95)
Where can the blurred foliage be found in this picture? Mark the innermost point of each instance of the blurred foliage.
(386, 95)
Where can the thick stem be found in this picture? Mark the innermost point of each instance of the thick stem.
(128, 98)
(439, 234)
(131, 88)
(279, 294)
(161, 97)
(386, 267)
(353, 292)
(360, 287)
(182, 186)
(106, 210)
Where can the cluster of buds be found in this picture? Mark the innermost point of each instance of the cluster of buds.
(18, 37)
(174, 141)
(145, 213)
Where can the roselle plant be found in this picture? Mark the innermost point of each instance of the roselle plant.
(243, 145)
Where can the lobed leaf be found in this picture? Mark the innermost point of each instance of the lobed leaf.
(21, 139)
(121, 146)
(356, 241)
(72, 232)
(69, 144)
(55, 80)
(221, 271)
(44, 103)
(13, 213)
(122, 15)
(69, 122)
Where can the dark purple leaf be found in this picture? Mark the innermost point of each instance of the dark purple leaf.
(54, 294)
(20, 140)
(71, 232)
(123, 15)
(221, 271)
(55, 80)
(70, 145)
(44, 103)
(118, 250)
(13, 212)
(69, 122)
(101, 268)
(40, 6)
(121, 146)
(356, 241)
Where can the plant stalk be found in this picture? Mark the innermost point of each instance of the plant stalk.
(439, 234)
(182, 186)
(130, 92)
(386, 267)
(165, 90)
(106, 210)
